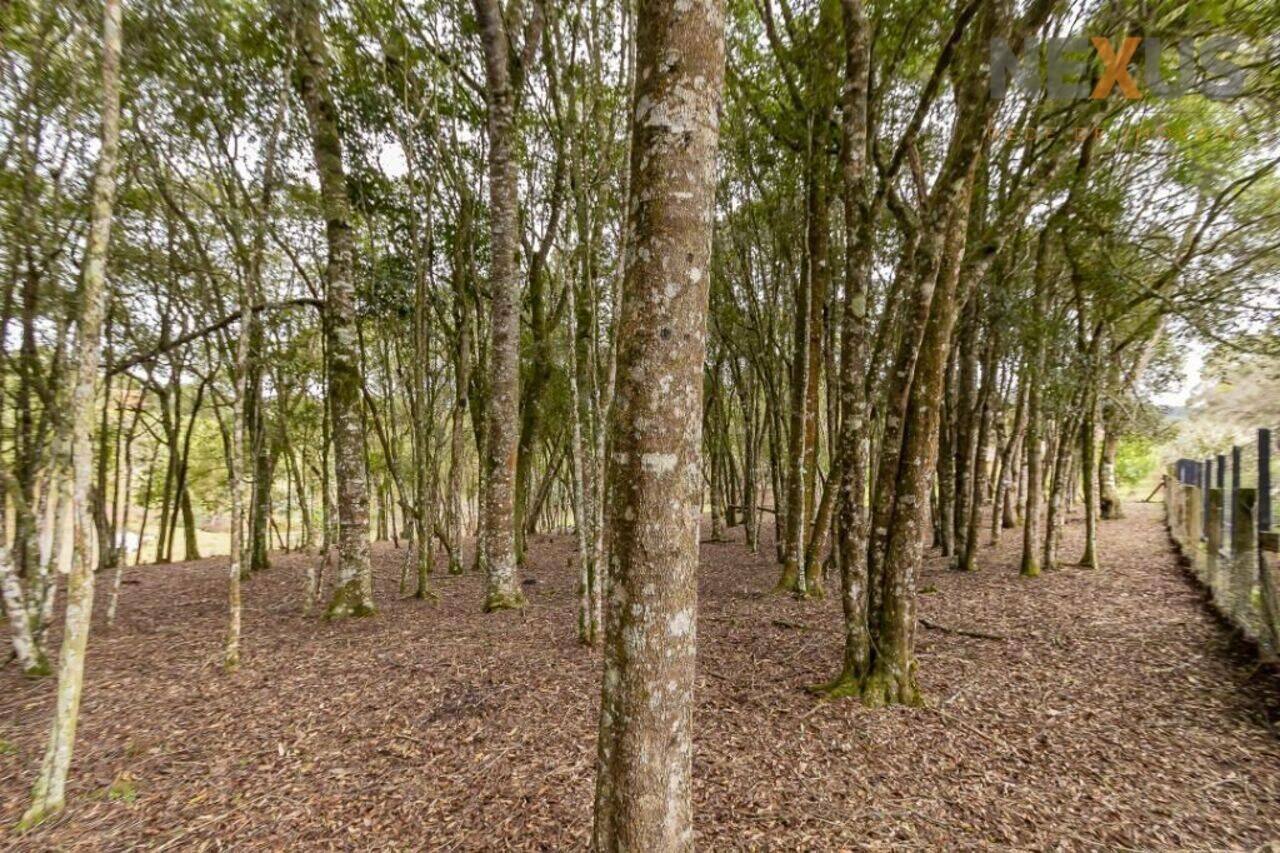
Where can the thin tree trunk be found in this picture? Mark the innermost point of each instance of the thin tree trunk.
(583, 514)
(1089, 478)
(1003, 508)
(123, 528)
(851, 510)
(969, 557)
(461, 389)
(1034, 437)
(793, 579)
(49, 792)
(423, 462)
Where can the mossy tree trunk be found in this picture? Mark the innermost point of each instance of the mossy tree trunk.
(461, 391)
(502, 416)
(985, 415)
(1003, 508)
(49, 792)
(644, 770)
(792, 579)
(422, 524)
(817, 242)
(353, 595)
(1035, 419)
(1089, 476)
(853, 448)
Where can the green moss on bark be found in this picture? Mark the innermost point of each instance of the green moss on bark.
(504, 601)
(349, 603)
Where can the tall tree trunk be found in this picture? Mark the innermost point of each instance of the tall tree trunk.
(353, 595)
(583, 511)
(645, 759)
(967, 414)
(817, 240)
(105, 526)
(892, 679)
(49, 793)
(792, 579)
(745, 387)
(423, 462)
(715, 448)
(502, 591)
(1068, 427)
(851, 510)
(969, 557)
(1035, 420)
(1089, 478)
(256, 425)
(461, 390)
(122, 528)
(1003, 507)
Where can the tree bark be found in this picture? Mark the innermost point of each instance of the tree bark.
(851, 508)
(502, 591)
(1035, 417)
(353, 595)
(1111, 505)
(645, 751)
(48, 795)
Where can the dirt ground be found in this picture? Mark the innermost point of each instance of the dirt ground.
(1107, 710)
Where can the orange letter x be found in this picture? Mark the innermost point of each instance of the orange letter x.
(1116, 68)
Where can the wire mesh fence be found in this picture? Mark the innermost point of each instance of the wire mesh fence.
(1220, 514)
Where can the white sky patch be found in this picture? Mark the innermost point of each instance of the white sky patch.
(392, 161)
(1192, 374)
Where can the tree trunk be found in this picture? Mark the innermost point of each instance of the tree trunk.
(967, 414)
(1003, 508)
(1089, 478)
(259, 449)
(644, 769)
(792, 579)
(892, 679)
(49, 793)
(750, 457)
(1111, 505)
(1055, 504)
(851, 510)
(461, 388)
(817, 240)
(583, 511)
(969, 556)
(1034, 438)
(353, 595)
(423, 461)
(502, 591)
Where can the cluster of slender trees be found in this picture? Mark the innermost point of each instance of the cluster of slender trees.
(454, 273)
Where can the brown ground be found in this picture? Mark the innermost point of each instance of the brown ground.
(1115, 713)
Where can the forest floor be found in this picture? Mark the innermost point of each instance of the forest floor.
(1105, 710)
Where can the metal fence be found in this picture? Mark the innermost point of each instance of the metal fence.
(1220, 515)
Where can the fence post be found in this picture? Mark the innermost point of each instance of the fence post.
(1213, 533)
(1269, 587)
(1235, 489)
(1193, 527)
(1222, 471)
(1264, 479)
(1206, 483)
(1244, 561)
